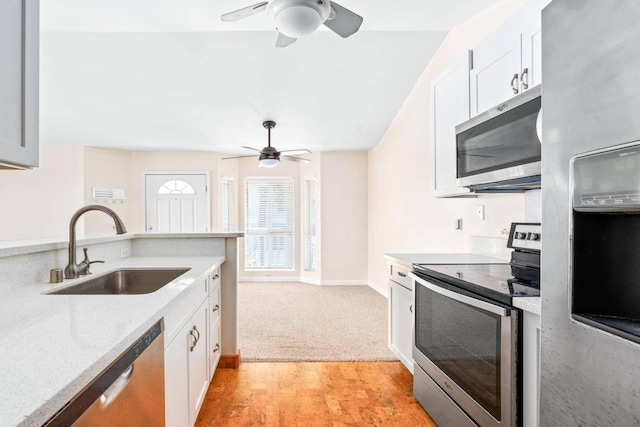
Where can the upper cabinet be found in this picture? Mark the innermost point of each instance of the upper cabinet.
(508, 62)
(449, 108)
(19, 75)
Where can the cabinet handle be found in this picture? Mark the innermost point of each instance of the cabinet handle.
(195, 340)
(216, 308)
(197, 332)
(401, 274)
(217, 347)
(411, 308)
(514, 80)
(216, 277)
(523, 82)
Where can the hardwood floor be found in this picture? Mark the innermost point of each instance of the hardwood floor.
(313, 394)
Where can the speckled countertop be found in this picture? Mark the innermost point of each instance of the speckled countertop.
(51, 346)
(443, 258)
(530, 304)
(19, 247)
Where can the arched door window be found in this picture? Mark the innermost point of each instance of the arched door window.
(176, 186)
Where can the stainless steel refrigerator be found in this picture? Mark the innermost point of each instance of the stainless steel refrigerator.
(590, 275)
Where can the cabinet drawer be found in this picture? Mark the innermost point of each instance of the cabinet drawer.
(215, 347)
(400, 275)
(214, 303)
(215, 277)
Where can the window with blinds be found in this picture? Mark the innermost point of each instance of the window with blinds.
(269, 224)
(228, 205)
(310, 248)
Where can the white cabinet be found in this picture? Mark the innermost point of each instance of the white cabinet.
(214, 337)
(186, 370)
(194, 352)
(508, 61)
(19, 76)
(449, 106)
(531, 370)
(198, 362)
(401, 315)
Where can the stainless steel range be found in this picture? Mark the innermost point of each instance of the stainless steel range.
(467, 346)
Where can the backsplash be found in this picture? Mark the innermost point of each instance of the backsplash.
(533, 206)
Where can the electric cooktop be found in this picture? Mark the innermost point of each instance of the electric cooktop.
(494, 281)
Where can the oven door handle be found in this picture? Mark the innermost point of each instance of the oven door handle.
(463, 298)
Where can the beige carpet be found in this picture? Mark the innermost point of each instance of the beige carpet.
(295, 322)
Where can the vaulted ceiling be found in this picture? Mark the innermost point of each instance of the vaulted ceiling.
(168, 74)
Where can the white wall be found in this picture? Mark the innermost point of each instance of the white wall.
(40, 202)
(403, 216)
(107, 169)
(344, 216)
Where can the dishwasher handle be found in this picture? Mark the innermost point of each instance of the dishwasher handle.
(114, 390)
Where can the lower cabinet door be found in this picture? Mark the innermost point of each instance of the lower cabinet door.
(402, 323)
(176, 381)
(198, 372)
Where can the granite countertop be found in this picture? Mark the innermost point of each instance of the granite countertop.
(52, 346)
(19, 247)
(443, 258)
(530, 304)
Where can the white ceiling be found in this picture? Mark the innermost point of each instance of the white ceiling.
(168, 74)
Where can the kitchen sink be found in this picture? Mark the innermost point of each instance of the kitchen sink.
(125, 282)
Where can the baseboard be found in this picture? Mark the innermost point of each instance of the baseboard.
(303, 280)
(229, 361)
(382, 291)
(269, 279)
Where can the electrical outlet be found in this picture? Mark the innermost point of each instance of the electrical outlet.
(125, 253)
(480, 211)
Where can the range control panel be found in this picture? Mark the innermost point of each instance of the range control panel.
(526, 236)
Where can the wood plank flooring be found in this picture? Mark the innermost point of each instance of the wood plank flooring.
(313, 394)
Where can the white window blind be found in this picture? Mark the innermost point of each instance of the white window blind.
(310, 225)
(269, 224)
(228, 204)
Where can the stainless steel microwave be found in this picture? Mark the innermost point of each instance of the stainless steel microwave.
(499, 150)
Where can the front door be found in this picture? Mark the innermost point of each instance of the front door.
(177, 203)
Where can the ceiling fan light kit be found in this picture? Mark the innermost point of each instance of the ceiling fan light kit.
(269, 156)
(298, 18)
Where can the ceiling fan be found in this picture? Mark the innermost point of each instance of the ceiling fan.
(270, 156)
(298, 18)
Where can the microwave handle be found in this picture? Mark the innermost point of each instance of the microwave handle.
(514, 83)
(463, 298)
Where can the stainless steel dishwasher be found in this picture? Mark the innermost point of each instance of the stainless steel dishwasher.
(129, 392)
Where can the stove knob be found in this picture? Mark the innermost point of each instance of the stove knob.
(534, 236)
(521, 235)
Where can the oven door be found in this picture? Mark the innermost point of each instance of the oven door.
(468, 346)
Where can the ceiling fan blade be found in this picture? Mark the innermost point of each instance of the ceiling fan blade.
(296, 159)
(300, 151)
(251, 148)
(284, 41)
(236, 15)
(342, 21)
(237, 157)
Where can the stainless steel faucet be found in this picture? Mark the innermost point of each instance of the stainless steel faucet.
(73, 270)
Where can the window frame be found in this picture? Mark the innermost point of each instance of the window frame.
(293, 223)
(310, 264)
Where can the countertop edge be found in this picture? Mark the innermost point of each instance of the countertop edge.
(408, 259)
(21, 247)
(529, 304)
